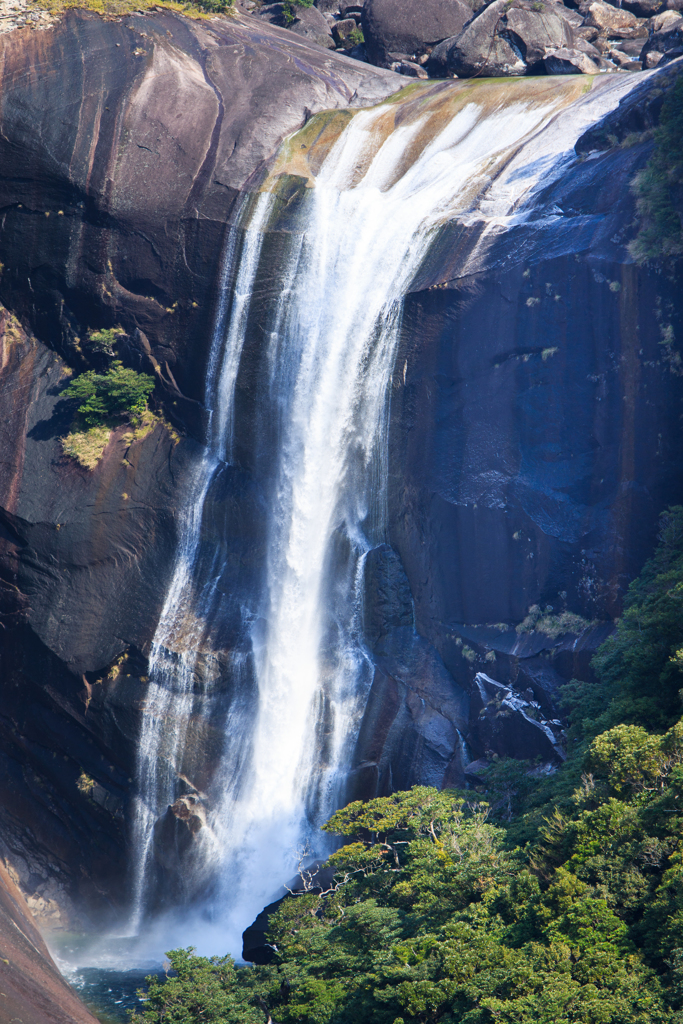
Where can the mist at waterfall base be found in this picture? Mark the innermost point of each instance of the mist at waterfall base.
(299, 682)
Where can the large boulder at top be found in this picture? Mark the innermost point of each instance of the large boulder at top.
(535, 32)
(308, 22)
(611, 22)
(666, 41)
(644, 8)
(482, 48)
(525, 38)
(395, 29)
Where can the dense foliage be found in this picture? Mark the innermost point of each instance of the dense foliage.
(659, 187)
(213, 6)
(443, 910)
(118, 391)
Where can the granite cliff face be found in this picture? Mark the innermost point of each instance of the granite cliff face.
(125, 144)
(535, 425)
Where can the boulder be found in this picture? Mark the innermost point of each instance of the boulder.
(327, 6)
(593, 52)
(572, 17)
(408, 68)
(666, 21)
(341, 31)
(533, 33)
(612, 22)
(570, 61)
(631, 47)
(645, 8)
(397, 29)
(663, 45)
(482, 48)
(351, 8)
(309, 23)
(625, 61)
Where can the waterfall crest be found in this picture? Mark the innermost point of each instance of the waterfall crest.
(382, 188)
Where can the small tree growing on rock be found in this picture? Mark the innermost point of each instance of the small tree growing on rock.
(104, 341)
(119, 391)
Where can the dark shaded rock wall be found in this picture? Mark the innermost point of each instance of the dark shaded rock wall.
(537, 434)
(536, 423)
(85, 559)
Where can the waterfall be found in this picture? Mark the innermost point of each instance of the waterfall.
(331, 330)
(171, 695)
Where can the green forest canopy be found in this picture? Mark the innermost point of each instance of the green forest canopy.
(572, 911)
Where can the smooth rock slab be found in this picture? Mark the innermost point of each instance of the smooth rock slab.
(33, 990)
(186, 112)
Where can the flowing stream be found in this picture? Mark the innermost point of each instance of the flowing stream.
(382, 189)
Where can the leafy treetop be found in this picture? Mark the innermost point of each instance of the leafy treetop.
(118, 391)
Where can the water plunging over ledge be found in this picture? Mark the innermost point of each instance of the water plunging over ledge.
(384, 181)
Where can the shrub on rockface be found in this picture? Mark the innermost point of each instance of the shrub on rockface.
(659, 187)
(644, 657)
(119, 391)
(104, 341)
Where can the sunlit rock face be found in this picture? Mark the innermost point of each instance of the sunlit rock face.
(33, 990)
(532, 438)
(124, 145)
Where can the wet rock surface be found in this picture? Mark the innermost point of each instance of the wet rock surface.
(510, 724)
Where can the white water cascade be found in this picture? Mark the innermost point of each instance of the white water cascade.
(331, 334)
(179, 635)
